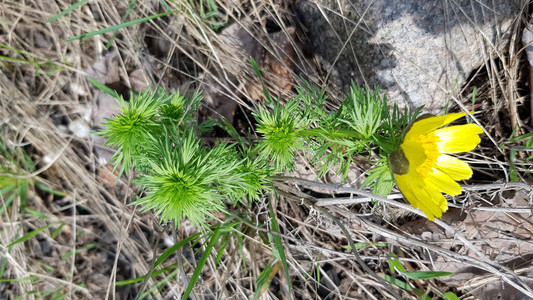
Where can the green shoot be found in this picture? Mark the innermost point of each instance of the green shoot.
(118, 27)
(265, 278)
(208, 11)
(28, 235)
(67, 11)
(128, 128)
(277, 247)
(396, 267)
(157, 134)
(203, 259)
(282, 133)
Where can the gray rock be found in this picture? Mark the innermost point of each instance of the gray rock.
(417, 51)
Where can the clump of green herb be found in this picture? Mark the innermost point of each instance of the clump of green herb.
(156, 134)
(184, 177)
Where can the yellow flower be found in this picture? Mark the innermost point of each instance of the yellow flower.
(423, 169)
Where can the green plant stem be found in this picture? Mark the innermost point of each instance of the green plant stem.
(346, 133)
(385, 145)
(331, 133)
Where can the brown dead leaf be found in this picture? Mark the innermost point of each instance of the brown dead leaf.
(107, 176)
(496, 224)
(279, 73)
(138, 80)
(501, 291)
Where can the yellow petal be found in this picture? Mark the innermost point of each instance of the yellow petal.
(414, 152)
(433, 203)
(459, 138)
(429, 200)
(404, 183)
(443, 183)
(427, 125)
(453, 167)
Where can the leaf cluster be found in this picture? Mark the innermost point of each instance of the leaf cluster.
(363, 126)
(281, 129)
(157, 134)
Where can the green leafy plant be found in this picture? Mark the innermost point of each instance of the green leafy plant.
(185, 177)
(16, 180)
(521, 144)
(216, 239)
(208, 11)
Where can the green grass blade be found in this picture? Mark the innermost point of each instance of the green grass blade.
(104, 88)
(450, 296)
(128, 11)
(23, 193)
(6, 186)
(425, 274)
(142, 278)
(158, 284)
(165, 4)
(11, 59)
(225, 240)
(79, 250)
(201, 263)
(28, 235)
(58, 230)
(37, 214)
(3, 264)
(66, 11)
(117, 27)
(395, 265)
(30, 278)
(397, 282)
(521, 137)
(263, 280)
(258, 72)
(7, 202)
(174, 248)
(279, 247)
(421, 294)
(50, 190)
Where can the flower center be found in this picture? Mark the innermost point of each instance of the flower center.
(431, 150)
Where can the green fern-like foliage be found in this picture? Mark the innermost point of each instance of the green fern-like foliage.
(127, 130)
(256, 175)
(188, 180)
(177, 109)
(362, 127)
(281, 129)
(156, 133)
